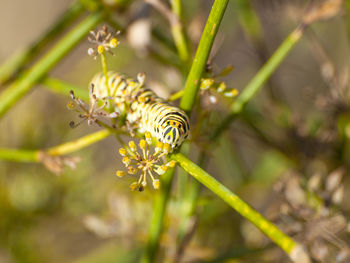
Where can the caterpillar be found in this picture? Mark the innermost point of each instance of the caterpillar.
(168, 124)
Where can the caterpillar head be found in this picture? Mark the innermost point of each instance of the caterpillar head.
(175, 130)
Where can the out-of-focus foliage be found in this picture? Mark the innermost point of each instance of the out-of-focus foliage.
(287, 154)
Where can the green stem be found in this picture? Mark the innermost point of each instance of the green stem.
(16, 63)
(15, 155)
(18, 155)
(157, 221)
(202, 54)
(19, 88)
(187, 103)
(188, 209)
(105, 71)
(182, 176)
(257, 82)
(176, 95)
(292, 248)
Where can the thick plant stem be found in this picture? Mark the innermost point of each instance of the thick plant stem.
(202, 54)
(188, 209)
(187, 103)
(16, 63)
(157, 221)
(291, 247)
(18, 155)
(19, 88)
(257, 82)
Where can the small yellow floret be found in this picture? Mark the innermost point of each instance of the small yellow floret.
(101, 49)
(143, 144)
(167, 147)
(113, 43)
(132, 146)
(134, 186)
(222, 87)
(132, 170)
(231, 93)
(156, 184)
(172, 163)
(70, 105)
(206, 83)
(148, 137)
(159, 147)
(120, 173)
(126, 160)
(123, 152)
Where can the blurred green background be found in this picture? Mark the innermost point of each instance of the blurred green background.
(297, 127)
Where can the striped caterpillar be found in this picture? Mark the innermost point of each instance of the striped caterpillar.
(143, 107)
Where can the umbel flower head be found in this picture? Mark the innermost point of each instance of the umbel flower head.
(90, 112)
(140, 161)
(103, 41)
(209, 86)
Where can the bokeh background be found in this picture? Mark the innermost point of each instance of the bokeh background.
(292, 139)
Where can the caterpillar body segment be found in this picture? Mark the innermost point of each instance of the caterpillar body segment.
(167, 123)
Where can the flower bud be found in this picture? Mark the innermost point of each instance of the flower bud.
(123, 152)
(148, 138)
(171, 164)
(143, 144)
(113, 43)
(166, 147)
(126, 160)
(101, 49)
(120, 173)
(156, 184)
(132, 146)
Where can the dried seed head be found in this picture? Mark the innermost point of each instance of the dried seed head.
(103, 41)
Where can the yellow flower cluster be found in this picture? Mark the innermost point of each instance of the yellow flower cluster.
(144, 161)
(103, 41)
